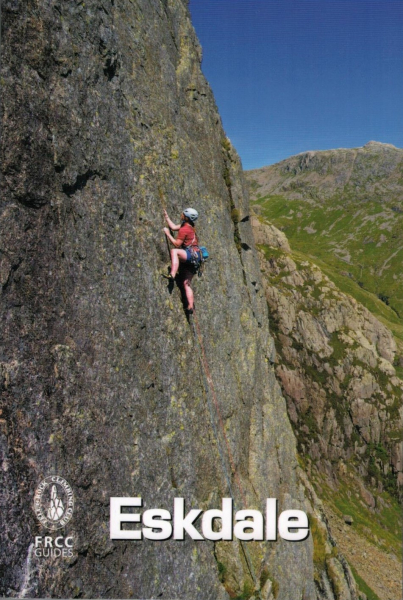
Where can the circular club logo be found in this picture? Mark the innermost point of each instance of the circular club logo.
(54, 502)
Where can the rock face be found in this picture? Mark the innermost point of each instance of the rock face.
(107, 119)
(335, 364)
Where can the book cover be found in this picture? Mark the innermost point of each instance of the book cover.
(170, 426)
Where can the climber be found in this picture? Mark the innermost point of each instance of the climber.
(184, 251)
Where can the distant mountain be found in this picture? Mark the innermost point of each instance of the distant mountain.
(344, 209)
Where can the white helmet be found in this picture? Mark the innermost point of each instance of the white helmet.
(191, 213)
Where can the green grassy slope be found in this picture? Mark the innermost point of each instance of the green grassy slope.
(344, 211)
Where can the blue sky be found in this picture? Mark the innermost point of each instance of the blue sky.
(296, 75)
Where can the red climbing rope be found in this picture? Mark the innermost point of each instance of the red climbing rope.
(229, 452)
(217, 407)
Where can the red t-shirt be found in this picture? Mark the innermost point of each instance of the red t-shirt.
(187, 235)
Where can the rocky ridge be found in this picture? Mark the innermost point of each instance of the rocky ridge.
(335, 364)
(107, 119)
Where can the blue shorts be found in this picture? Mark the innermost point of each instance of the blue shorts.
(188, 254)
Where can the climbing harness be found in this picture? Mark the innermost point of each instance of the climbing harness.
(196, 259)
(198, 256)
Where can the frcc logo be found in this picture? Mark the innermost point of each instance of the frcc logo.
(54, 502)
